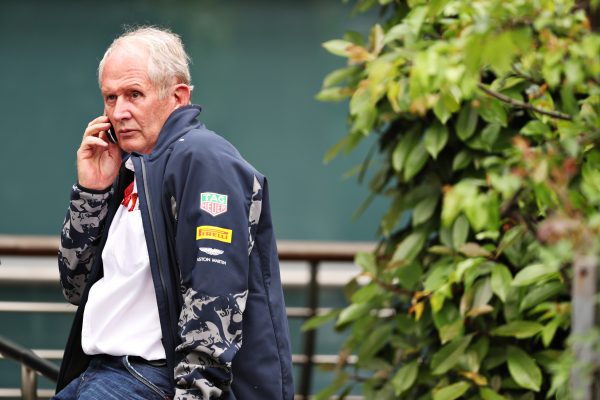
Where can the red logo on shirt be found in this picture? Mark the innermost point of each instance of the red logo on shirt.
(130, 198)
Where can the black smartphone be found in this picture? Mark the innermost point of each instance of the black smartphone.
(112, 136)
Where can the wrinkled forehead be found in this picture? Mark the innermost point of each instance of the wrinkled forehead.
(124, 64)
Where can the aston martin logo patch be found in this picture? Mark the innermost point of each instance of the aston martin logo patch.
(213, 203)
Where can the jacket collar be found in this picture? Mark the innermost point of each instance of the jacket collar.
(179, 123)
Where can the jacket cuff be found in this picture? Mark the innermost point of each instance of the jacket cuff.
(81, 192)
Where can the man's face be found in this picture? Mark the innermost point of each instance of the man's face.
(131, 101)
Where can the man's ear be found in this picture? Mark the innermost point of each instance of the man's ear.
(181, 94)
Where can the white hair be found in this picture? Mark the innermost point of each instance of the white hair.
(168, 63)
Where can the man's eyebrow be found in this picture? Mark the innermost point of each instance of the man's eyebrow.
(131, 86)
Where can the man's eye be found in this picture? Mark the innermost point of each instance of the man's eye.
(136, 94)
(111, 97)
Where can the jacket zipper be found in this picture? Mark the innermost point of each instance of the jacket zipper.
(158, 259)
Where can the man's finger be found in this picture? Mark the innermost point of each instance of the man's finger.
(95, 129)
(91, 142)
(102, 118)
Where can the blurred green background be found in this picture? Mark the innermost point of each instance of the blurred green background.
(257, 66)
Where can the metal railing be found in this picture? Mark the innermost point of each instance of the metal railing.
(313, 253)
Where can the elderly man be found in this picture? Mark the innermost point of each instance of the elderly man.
(168, 247)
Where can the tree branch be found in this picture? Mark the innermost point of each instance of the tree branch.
(520, 104)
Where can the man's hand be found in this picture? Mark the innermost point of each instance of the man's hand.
(98, 160)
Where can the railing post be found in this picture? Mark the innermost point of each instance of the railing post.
(585, 287)
(310, 336)
(28, 383)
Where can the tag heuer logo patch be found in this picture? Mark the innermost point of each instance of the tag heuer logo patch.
(213, 203)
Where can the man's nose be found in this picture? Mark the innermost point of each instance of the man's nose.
(121, 110)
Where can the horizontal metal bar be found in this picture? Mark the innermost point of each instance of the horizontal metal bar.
(37, 307)
(47, 354)
(304, 312)
(322, 359)
(15, 393)
(66, 308)
(29, 245)
(46, 273)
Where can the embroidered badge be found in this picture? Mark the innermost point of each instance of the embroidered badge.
(213, 203)
(213, 233)
(211, 251)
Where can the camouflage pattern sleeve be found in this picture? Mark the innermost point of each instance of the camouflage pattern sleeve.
(81, 231)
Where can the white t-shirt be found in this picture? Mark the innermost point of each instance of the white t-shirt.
(121, 314)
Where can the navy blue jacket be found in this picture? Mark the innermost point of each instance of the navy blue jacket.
(213, 258)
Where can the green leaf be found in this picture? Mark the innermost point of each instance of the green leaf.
(436, 7)
(483, 292)
(437, 277)
(540, 293)
(403, 149)
(352, 313)
(410, 247)
(536, 128)
(492, 111)
(548, 358)
(361, 100)
(365, 119)
(449, 355)
(472, 249)
(466, 266)
(451, 392)
(346, 144)
(518, 329)
(338, 47)
(489, 394)
(460, 231)
(448, 322)
(409, 275)
(445, 106)
(415, 161)
(405, 377)
(501, 280)
(366, 261)
(333, 94)
(477, 353)
(489, 135)
(424, 210)
(375, 341)
(534, 273)
(524, 369)
(466, 123)
(436, 137)
(550, 330)
(366, 293)
(339, 381)
(338, 76)
(462, 160)
(319, 320)
(510, 237)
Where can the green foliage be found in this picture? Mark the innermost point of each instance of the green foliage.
(487, 116)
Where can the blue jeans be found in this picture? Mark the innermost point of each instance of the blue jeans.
(120, 378)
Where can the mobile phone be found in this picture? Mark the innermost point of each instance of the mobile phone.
(112, 136)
